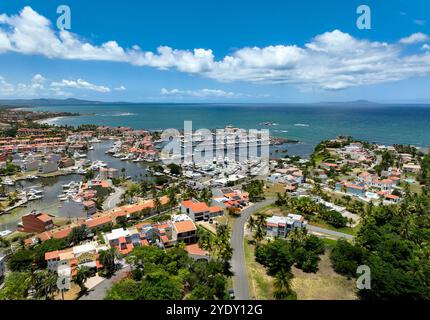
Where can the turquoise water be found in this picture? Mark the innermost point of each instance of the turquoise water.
(405, 124)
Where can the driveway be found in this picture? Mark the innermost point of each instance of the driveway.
(240, 277)
(100, 290)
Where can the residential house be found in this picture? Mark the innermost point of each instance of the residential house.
(184, 231)
(279, 227)
(199, 211)
(35, 222)
(125, 240)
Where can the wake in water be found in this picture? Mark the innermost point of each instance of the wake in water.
(123, 114)
(301, 125)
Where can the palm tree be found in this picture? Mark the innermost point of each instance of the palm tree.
(282, 285)
(173, 201)
(251, 224)
(206, 241)
(107, 259)
(259, 227)
(81, 277)
(157, 205)
(45, 284)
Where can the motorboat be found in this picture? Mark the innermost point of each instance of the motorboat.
(5, 233)
(8, 182)
(78, 155)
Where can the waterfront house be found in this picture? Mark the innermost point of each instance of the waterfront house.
(36, 222)
(78, 208)
(108, 173)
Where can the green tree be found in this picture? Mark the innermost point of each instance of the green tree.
(282, 286)
(82, 276)
(16, 286)
(108, 260)
(45, 284)
(21, 260)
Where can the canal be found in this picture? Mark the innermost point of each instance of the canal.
(53, 186)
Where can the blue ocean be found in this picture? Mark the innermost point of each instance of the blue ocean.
(308, 123)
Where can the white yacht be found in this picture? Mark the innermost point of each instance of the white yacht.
(8, 182)
(78, 155)
(5, 233)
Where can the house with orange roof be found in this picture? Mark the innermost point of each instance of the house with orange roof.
(36, 222)
(71, 259)
(124, 240)
(184, 231)
(197, 253)
(199, 211)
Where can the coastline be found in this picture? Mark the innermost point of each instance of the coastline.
(50, 121)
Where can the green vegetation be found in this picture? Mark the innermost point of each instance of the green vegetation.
(16, 286)
(9, 169)
(311, 210)
(300, 249)
(255, 190)
(169, 275)
(394, 242)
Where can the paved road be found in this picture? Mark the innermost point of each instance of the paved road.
(113, 199)
(100, 290)
(240, 277)
(336, 234)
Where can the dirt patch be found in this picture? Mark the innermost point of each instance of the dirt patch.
(323, 285)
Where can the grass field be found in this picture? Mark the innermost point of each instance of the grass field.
(260, 284)
(323, 285)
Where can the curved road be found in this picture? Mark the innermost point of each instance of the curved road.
(113, 199)
(240, 276)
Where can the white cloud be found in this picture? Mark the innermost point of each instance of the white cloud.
(425, 47)
(201, 93)
(330, 61)
(36, 87)
(120, 88)
(414, 38)
(5, 87)
(80, 84)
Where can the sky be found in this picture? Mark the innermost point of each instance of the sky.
(216, 51)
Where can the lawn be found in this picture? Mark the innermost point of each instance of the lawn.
(260, 284)
(323, 285)
(273, 189)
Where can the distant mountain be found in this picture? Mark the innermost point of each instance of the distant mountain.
(52, 102)
(356, 102)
